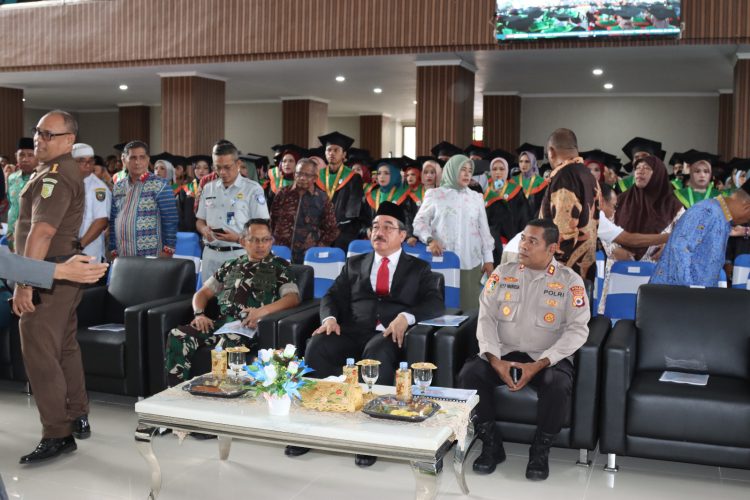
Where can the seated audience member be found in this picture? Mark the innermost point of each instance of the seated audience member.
(696, 249)
(247, 288)
(532, 317)
(367, 310)
(302, 216)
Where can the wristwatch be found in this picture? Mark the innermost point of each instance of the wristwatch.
(199, 312)
(429, 240)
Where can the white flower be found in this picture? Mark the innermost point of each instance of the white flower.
(289, 351)
(265, 355)
(270, 372)
(293, 367)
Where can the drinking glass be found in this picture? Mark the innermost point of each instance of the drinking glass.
(370, 374)
(237, 361)
(423, 378)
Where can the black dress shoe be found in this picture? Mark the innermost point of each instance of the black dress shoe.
(81, 427)
(201, 436)
(295, 451)
(364, 460)
(49, 448)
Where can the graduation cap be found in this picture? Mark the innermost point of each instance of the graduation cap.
(445, 148)
(407, 163)
(120, 147)
(357, 155)
(163, 156)
(282, 149)
(629, 12)
(676, 158)
(639, 144)
(537, 151)
(196, 158)
(545, 168)
(720, 171)
(337, 139)
(661, 12)
(422, 159)
(534, 12)
(25, 143)
(693, 156)
(399, 163)
(179, 160)
(479, 151)
(506, 155)
(259, 161)
(319, 152)
(739, 164)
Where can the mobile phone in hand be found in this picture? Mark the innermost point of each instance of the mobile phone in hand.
(218, 230)
(515, 374)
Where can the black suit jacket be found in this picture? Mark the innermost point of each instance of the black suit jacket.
(352, 301)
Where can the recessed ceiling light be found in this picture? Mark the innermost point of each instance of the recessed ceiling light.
(608, 86)
(377, 90)
(23, 99)
(340, 78)
(123, 87)
(598, 72)
(415, 102)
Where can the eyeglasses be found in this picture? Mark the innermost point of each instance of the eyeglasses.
(644, 166)
(46, 134)
(386, 228)
(255, 241)
(306, 175)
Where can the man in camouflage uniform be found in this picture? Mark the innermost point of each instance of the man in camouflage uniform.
(247, 288)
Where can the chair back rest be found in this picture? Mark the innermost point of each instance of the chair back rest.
(358, 247)
(723, 279)
(135, 280)
(741, 271)
(624, 279)
(702, 330)
(449, 265)
(601, 262)
(282, 251)
(304, 277)
(188, 244)
(439, 282)
(327, 263)
(416, 250)
(197, 262)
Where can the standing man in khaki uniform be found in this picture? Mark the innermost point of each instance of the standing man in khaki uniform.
(51, 211)
(533, 317)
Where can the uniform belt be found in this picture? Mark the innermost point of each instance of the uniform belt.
(224, 249)
(60, 258)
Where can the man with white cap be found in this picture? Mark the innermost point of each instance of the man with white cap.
(97, 206)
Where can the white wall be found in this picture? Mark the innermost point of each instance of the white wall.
(254, 127)
(347, 125)
(680, 123)
(154, 142)
(101, 130)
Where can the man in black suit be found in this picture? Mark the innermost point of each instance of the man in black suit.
(375, 299)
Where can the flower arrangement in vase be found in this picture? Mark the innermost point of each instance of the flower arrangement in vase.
(278, 377)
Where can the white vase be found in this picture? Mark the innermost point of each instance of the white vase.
(278, 405)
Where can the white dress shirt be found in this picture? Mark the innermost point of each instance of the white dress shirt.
(97, 205)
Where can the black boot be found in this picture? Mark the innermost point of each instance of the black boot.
(493, 452)
(538, 468)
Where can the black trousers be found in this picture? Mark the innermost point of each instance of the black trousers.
(327, 354)
(553, 385)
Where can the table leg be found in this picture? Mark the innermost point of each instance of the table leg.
(225, 443)
(459, 457)
(143, 436)
(427, 477)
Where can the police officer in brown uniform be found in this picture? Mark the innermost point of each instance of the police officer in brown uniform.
(51, 211)
(533, 317)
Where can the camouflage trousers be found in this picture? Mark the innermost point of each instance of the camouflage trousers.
(182, 343)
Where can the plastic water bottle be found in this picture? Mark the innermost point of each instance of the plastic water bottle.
(351, 372)
(403, 382)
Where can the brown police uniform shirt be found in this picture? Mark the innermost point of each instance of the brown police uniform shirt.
(543, 313)
(54, 195)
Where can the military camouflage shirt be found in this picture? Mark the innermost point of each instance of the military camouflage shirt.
(241, 283)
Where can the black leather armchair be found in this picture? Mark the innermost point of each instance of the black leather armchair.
(515, 412)
(688, 330)
(163, 318)
(297, 329)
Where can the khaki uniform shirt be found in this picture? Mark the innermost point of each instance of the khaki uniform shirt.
(54, 195)
(543, 313)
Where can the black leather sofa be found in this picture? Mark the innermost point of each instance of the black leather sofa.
(163, 318)
(689, 330)
(515, 412)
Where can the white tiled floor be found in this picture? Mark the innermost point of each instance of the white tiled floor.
(107, 466)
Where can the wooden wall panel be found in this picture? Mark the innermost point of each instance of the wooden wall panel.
(445, 106)
(192, 117)
(741, 114)
(11, 124)
(303, 120)
(725, 126)
(371, 134)
(501, 119)
(135, 123)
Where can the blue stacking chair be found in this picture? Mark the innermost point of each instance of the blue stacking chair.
(741, 271)
(326, 263)
(601, 262)
(198, 264)
(282, 251)
(188, 244)
(358, 247)
(449, 265)
(624, 279)
(723, 279)
(418, 249)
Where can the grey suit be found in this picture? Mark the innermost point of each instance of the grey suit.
(32, 272)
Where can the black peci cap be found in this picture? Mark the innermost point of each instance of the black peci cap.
(639, 144)
(25, 143)
(392, 210)
(445, 148)
(337, 139)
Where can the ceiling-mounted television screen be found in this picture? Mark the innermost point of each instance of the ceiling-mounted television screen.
(531, 19)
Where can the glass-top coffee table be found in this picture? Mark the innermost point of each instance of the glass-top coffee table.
(423, 445)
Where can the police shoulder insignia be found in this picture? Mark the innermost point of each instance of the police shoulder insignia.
(53, 169)
(551, 269)
(549, 318)
(489, 287)
(579, 294)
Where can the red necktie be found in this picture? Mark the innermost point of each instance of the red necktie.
(381, 283)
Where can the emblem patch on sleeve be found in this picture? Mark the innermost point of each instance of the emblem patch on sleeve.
(489, 287)
(47, 188)
(101, 194)
(549, 318)
(579, 296)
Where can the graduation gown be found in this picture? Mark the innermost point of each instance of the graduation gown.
(508, 211)
(275, 181)
(688, 197)
(398, 195)
(344, 189)
(533, 189)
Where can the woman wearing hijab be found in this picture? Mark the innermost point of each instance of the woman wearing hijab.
(507, 208)
(650, 206)
(432, 173)
(388, 187)
(700, 187)
(283, 175)
(165, 170)
(452, 217)
(532, 184)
